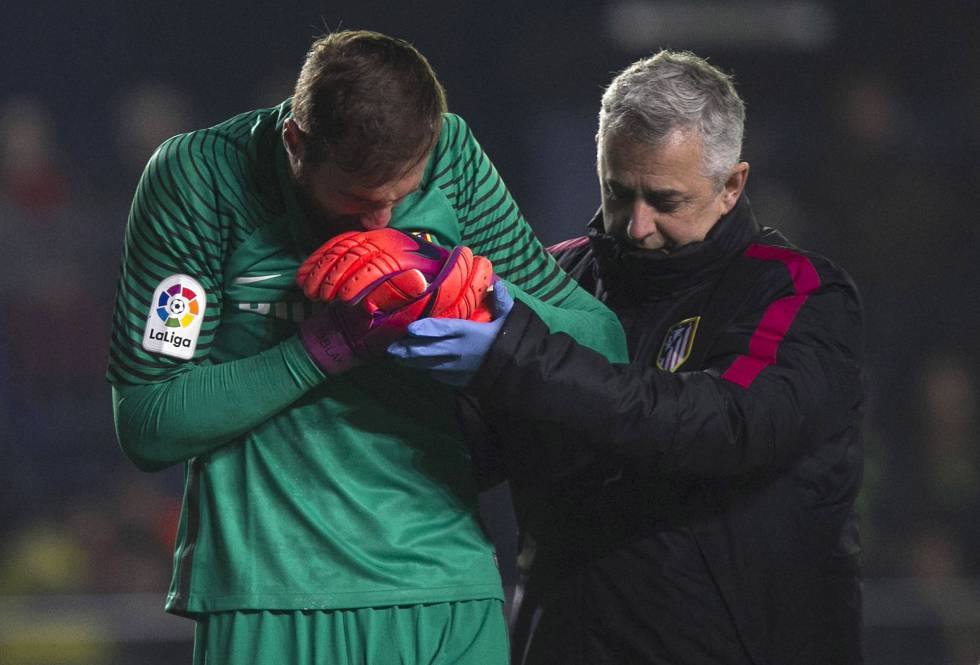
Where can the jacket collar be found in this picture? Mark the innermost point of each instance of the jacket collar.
(641, 274)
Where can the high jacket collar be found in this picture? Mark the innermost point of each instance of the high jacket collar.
(645, 274)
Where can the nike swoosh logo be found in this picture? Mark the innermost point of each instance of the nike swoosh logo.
(253, 280)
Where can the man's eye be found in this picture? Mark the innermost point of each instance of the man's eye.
(665, 205)
(616, 192)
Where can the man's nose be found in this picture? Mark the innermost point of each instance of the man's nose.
(643, 221)
(376, 219)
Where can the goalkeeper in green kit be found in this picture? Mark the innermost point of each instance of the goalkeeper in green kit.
(330, 510)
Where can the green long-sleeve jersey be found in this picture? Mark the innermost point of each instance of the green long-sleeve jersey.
(302, 490)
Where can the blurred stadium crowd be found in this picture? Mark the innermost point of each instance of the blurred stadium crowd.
(871, 161)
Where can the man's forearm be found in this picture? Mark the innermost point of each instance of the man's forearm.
(160, 424)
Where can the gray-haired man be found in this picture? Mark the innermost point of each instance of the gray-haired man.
(695, 505)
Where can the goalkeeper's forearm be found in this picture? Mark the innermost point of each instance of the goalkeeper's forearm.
(160, 424)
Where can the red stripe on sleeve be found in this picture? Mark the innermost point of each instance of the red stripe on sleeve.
(778, 317)
(568, 244)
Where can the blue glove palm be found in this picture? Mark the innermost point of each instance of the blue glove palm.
(452, 350)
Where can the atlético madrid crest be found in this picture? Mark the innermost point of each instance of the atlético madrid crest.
(677, 344)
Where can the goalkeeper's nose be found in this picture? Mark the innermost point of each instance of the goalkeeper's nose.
(376, 219)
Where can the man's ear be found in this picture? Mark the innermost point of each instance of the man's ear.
(292, 138)
(734, 185)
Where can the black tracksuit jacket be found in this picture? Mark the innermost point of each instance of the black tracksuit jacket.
(697, 504)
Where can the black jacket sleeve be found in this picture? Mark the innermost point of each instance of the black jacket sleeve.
(771, 388)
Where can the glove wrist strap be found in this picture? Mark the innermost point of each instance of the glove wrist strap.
(327, 345)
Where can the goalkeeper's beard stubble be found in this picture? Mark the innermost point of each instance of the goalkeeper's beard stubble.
(318, 223)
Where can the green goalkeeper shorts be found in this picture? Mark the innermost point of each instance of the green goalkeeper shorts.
(460, 633)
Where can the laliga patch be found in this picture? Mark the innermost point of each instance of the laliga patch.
(174, 321)
(677, 344)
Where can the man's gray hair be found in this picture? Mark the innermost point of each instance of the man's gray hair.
(677, 90)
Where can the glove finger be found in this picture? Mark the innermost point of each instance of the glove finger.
(322, 277)
(397, 251)
(425, 354)
(423, 306)
(348, 270)
(451, 280)
(395, 292)
(407, 314)
(502, 301)
(367, 267)
(425, 351)
(356, 271)
(476, 294)
(462, 293)
(408, 358)
(317, 255)
(309, 266)
(442, 328)
(352, 269)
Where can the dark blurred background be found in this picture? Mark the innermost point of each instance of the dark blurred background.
(862, 133)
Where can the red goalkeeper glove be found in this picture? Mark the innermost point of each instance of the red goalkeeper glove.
(386, 270)
(379, 268)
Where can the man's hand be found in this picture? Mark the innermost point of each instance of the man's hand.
(385, 270)
(341, 336)
(460, 289)
(380, 269)
(453, 349)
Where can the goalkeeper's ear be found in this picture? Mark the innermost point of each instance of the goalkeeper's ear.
(292, 139)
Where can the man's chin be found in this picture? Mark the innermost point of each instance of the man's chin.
(322, 223)
(327, 227)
